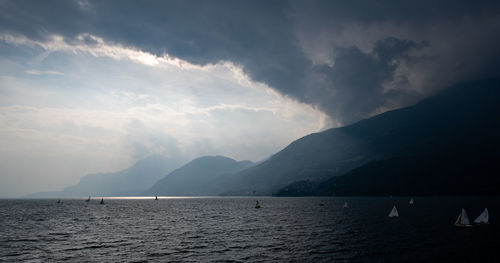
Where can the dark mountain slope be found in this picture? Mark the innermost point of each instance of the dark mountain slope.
(466, 114)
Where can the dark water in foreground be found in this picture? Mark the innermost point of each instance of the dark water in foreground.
(231, 229)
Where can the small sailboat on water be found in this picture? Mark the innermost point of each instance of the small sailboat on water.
(102, 201)
(88, 200)
(156, 197)
(394, 212)
(411, 201)
(257, 205)
(462, 220)
(483, 218)
(345, 205)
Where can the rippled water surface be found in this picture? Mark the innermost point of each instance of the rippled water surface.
(231, 229)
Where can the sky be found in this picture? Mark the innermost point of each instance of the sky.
(93, 86)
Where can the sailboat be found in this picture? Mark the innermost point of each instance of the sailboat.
(345, 205)
(483, 218)
(257, 205)
(411, 201)
(394, 212)
(102, 201)
(156, 197)
(462, 220)
(88, 200)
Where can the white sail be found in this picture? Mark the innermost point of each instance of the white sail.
(483, 218)
(345, 205)
(394, 212)
(411, 201)
(463, 219)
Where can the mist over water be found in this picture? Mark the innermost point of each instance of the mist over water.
(231, 229)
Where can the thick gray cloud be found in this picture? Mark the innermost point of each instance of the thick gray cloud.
(355, 84)
(352, 59)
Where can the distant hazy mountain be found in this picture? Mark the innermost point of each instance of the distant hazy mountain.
(131, 181)
(463, 120)
(446, 144)
(202, 176)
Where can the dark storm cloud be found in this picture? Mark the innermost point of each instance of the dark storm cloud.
(356, 80)
(421, 12)
(39, 19)
(274, 40)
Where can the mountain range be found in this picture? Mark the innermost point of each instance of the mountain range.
(445, 144)
(129, 182)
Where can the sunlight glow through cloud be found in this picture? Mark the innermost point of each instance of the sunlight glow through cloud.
(100, 106)
(97, 47)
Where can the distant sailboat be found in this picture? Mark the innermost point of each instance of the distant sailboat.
(88, 200)
(102, 201)
(59, 201)
(483, 218)
(462, 220)
(394, 212)
(345, 205)
(156, 197)
(257, 205)
(411, 201)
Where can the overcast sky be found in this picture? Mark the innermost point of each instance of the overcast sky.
(93, 86)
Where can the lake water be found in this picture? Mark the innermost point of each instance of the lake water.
(231, 229)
